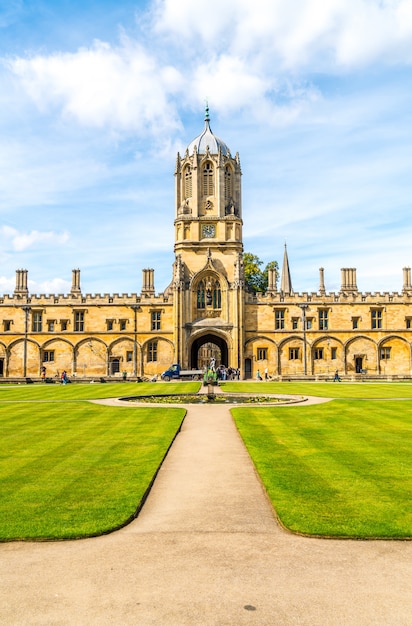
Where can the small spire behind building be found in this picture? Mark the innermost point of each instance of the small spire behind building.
(286, 281)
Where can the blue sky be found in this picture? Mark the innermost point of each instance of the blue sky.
(97, 97)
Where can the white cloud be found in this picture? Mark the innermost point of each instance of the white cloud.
(7, 285)
(294, 34)
(22, 241)
(55, 286)
(120, 87)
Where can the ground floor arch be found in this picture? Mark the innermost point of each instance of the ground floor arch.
(201, 346)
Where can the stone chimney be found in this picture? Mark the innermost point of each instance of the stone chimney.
(348, 277)
(148, 283)
(272, 280)
(75, 282)
(407, 279)
(21, 283)
(322, 290)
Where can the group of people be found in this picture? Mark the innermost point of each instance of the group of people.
(223, 372)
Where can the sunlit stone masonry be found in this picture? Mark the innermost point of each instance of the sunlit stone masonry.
(207, 309)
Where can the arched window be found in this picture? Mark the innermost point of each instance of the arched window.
(188, 182)
(228, 183)
(201, 295)
(208, 179)
(209, 294)
(217, 295)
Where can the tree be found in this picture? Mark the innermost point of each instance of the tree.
(256, 278)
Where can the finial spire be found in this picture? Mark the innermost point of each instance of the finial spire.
(207, 118)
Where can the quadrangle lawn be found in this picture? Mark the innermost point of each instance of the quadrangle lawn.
(78, 470)
(69, 468)
(340, 469)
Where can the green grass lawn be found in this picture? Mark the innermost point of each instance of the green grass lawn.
(72, 469)
(88, 391)
(324, 389)
(340, 469)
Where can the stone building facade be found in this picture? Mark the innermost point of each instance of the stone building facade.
(207, 308)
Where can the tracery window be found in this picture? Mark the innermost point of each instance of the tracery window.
(228, 183)
(217, 295)
(209, 294)
(201, 295)
(188, 182)
(208, 179)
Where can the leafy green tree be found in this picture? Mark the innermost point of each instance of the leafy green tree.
(256, 278)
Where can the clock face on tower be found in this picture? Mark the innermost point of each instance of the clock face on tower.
(208, 230)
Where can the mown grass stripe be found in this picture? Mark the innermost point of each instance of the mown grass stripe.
(335, 469)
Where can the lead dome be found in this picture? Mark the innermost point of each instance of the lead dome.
(207, 139)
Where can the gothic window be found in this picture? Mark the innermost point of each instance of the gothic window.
(201, 295)
(217, 296)
(318, 354)
(208, 179)
(228, 183)
(188, 182)
(209, 294)
(293, 354)
(48, 356)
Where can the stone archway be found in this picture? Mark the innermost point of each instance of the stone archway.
(214, 340)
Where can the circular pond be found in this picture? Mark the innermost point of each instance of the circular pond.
(218, 398)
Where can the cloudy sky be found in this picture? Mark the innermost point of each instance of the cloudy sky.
(97, 97)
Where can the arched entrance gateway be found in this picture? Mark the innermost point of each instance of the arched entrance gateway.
(208, 346)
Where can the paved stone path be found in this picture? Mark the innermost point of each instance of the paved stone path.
(206, 550)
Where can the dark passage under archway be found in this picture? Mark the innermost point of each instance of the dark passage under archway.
(213, 339)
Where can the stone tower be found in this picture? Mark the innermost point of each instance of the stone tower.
(208, 272)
